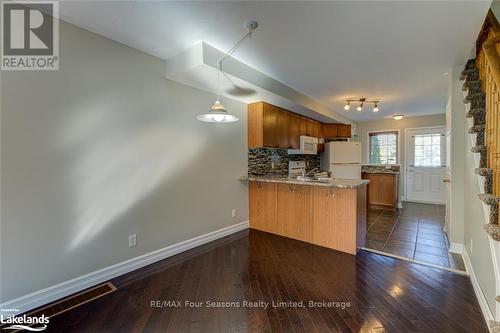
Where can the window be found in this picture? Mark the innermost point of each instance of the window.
(428, 150)
(383, 147)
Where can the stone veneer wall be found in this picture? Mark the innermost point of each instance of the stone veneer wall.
(260, 161)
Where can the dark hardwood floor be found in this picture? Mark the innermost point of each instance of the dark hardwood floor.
(385, 294)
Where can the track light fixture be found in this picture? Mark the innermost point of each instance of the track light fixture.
(362, 102)
(360, 107)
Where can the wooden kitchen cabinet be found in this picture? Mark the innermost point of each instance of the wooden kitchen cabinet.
(294, 131)
(273, 127)
(303, 126)
(329, 130)
(263, 206)
(344, 131)
(313, 128)
(295, 211)
(262, 125)
(339, 218)
(382, 190)
(283, 129)
(325, 216)
(336, 131)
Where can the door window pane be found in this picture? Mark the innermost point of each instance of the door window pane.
(383, 148)
(427, 150)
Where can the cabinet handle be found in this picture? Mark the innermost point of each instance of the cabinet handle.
(291, 188)
(332, 192)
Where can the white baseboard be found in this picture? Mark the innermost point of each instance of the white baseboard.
(456, 248)
(50, 294)
(485, 308)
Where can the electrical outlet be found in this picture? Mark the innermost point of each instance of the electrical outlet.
(233, 212)
(132, 240)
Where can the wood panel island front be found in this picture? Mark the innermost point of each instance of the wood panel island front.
(331, 214)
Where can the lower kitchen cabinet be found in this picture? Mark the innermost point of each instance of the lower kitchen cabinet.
(382, 190)
(339, 218)
(325, 216)
(262, 206)
(295, 211)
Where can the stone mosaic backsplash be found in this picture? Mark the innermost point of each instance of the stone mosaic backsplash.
(260, 161)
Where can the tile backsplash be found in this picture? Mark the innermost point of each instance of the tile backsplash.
(381, 167)
(260, 161)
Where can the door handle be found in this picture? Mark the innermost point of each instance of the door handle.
(446, 180)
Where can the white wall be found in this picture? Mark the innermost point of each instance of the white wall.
(104, 148)
(495, 8)
(363, 128)
(456, 129)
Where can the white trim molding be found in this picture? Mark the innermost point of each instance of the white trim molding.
(58, 291)
(485, 308)
(456, 248)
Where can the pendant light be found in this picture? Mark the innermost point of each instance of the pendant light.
(218, 113)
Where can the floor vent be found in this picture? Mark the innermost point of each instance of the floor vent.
(71, 302)
(75, 300)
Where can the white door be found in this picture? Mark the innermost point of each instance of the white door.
(426, 165)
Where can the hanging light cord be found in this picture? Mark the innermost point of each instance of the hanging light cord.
(228, 53)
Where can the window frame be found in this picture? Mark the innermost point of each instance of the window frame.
(398, 144)
(442, 142)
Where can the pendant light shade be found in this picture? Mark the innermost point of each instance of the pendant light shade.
(217, 114)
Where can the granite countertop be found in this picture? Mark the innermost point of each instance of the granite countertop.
(338, 183)
(392, 172)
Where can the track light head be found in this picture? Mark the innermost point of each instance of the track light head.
(375, 107)
(346, 106)
(360, 106)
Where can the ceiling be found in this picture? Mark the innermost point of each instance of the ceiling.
(395, 51)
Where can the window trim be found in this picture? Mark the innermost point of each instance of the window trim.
(371, 133)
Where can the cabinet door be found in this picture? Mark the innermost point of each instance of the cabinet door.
(313, 128)
(283, 128)
(270, 122)
(303, 126)
(295, 211)
(382, 190)
(262, 206)
(294, 131)
(334, 218)
(344, 131)
(329, 130)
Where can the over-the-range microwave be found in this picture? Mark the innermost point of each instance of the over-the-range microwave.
(308, 146)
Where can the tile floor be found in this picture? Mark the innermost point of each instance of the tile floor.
(415, 232)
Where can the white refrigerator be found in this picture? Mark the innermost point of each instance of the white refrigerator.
(343, 159)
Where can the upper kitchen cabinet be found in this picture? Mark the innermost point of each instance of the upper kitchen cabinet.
(336, 130)
(294, 131)
(273, 127)
(283, 129)
(344, 131)
(313, 128)
(262, 125)
(329, 130)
